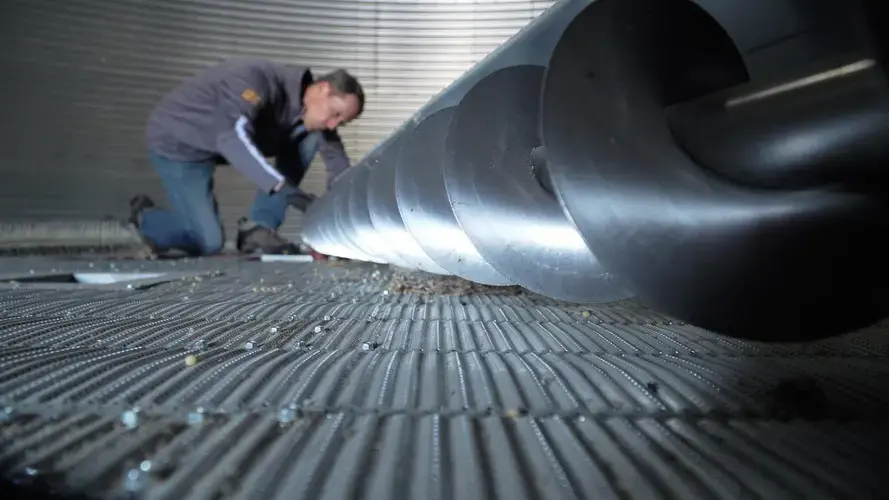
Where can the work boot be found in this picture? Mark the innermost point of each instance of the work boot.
(253, 238)
(139, 203)
(147, 249)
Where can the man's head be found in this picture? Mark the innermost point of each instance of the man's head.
(332, 100)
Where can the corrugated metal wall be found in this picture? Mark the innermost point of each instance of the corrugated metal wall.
(80, 76)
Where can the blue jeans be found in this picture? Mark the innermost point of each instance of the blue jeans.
(192, 223)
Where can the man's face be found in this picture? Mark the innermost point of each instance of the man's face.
(326, 110)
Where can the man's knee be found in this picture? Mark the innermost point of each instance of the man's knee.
(210, 240)
(212, 247)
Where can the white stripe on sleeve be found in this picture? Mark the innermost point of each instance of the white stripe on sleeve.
(241, 130)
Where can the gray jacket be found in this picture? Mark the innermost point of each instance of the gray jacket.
(242, 111)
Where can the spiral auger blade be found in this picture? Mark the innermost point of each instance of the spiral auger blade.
(723, 161)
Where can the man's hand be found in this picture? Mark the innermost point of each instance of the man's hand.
(301, 200)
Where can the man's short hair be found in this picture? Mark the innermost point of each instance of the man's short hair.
(343, 83)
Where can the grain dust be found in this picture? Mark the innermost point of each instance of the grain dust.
(429, 284)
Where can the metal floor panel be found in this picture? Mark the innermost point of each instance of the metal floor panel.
(316, 381)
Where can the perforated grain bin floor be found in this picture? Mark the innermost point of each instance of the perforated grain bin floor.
(231, 379)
